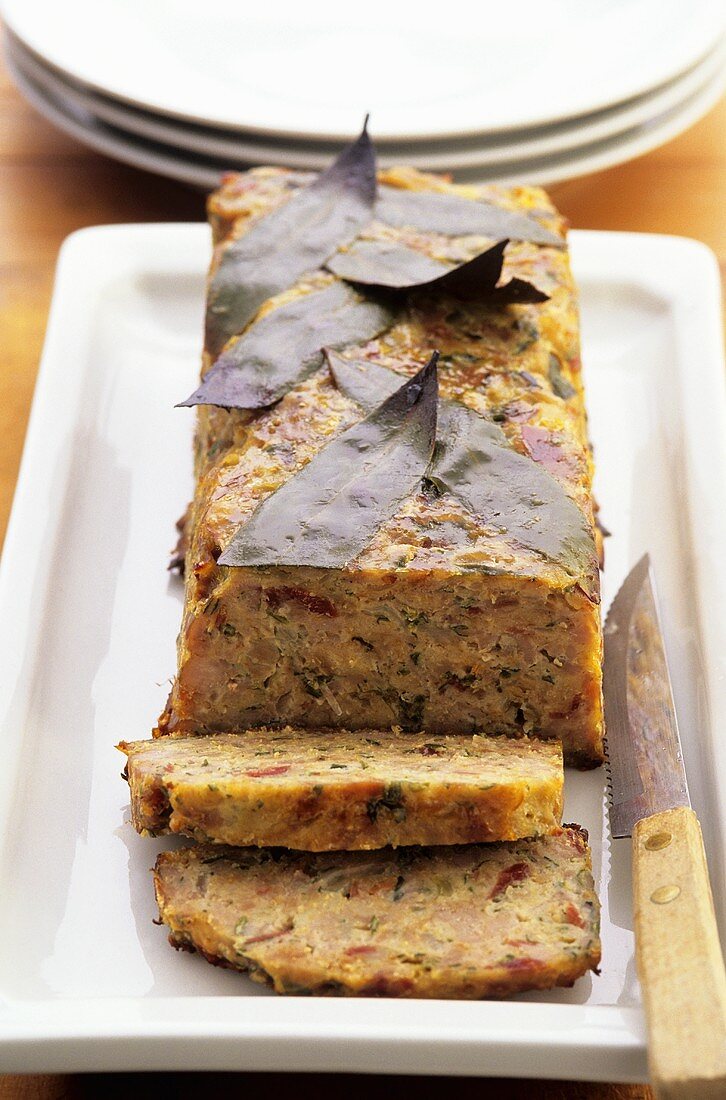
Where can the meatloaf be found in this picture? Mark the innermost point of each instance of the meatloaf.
(328, 790)
(468, 922)
(447, 621)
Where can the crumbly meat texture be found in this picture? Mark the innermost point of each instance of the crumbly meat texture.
(322, 791)
(443, 622)
(465, 922)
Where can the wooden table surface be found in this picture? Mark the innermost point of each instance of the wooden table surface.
(51, 185)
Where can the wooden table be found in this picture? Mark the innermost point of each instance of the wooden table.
(51, 185)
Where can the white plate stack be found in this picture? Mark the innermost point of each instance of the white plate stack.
(529, 92)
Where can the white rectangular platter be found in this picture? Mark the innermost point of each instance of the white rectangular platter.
(87, 981)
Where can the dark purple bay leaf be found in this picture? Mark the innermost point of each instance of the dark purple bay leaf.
(513, 494)
(329, 511)
(475, 462)
(367, 383)
(386, 264)
(432, 212)
(391, 266)
(285, 346)
(293, 239)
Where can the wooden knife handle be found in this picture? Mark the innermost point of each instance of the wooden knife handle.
(679, 960)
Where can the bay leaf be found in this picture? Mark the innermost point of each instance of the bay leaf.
(363, 381)
(388, 265)
(290, 241)
(514, 494)
(328, 512)
(475, 462)
(454, 216)
(285, 346)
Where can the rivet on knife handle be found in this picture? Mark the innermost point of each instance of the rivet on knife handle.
(679, 960)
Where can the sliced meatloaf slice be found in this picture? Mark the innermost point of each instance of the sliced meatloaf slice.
(334, 789)
(468, 922)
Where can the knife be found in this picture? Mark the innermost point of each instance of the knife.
(677, 950)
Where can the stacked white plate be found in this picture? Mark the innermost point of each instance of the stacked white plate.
(528, 92)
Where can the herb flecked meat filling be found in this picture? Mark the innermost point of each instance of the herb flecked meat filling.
(467, 922)
(326, 790)
(447, 621)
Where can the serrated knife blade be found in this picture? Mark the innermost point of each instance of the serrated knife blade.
(647, 774)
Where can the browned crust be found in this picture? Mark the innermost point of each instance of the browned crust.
(178, 555)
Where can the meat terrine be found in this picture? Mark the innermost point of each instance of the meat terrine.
(468, 922)
(446, 621)
(328, 790)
